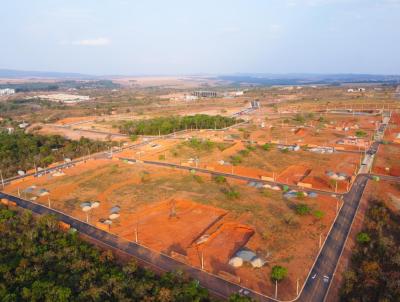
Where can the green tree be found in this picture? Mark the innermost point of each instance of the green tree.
(278, 273)
(363, 238)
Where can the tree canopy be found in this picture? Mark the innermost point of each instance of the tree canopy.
(21, 151)
(166, 125)
(38, 262)
(374, 272)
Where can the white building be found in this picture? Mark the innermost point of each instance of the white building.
(7, 91)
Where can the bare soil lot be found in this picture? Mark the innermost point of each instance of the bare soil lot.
(261, 220)
(387, 160)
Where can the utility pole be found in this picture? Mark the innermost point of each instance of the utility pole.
(48, 199)
(202, 260)
(19, 194)
(297, 287)
(136, 235)
(276, 289)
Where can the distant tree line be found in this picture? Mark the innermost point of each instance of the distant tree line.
(39, 262)
(49, 86)
(22, 151)
(166, 125)
(374, 273)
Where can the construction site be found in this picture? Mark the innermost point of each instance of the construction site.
(190, 216)
(232, 201)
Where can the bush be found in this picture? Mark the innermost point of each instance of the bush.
(239, 298)
(278, 273)
(267, 147)
(299, 118)
(236, 160)
(363, 238)
(360, 133)
(219, 179)
(319, 214)
(161, 157)
(303, 209)
(244, 152)
(232, 194)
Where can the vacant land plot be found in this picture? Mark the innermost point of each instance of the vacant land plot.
(387, 160)
(169, 210)
(322, 131)
(256, 161)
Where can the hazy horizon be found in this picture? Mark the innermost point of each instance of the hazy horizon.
(123, 37)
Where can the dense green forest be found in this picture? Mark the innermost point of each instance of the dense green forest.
(38, 262)
(21, 151)
(374, 274)
(166, 125)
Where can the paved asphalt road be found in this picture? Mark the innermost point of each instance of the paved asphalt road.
(316, 286)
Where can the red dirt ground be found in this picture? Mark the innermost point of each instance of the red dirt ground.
(293, 174)
(231, 236)
(387, 160)
(159, 231)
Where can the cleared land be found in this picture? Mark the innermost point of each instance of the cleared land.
(261, 220)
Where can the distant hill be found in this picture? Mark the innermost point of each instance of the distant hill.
(309, 79)
(18, 74)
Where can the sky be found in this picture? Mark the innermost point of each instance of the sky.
(176, 37)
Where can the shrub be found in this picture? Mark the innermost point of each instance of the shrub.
(267, 147)
(278, 273)
(244, 152)
(303, 209)
(219, 179)
(161, 157)
(319, 214)
(299, 118)
(363, 238)
(232, 194)
(360, 133)
(236, 159)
